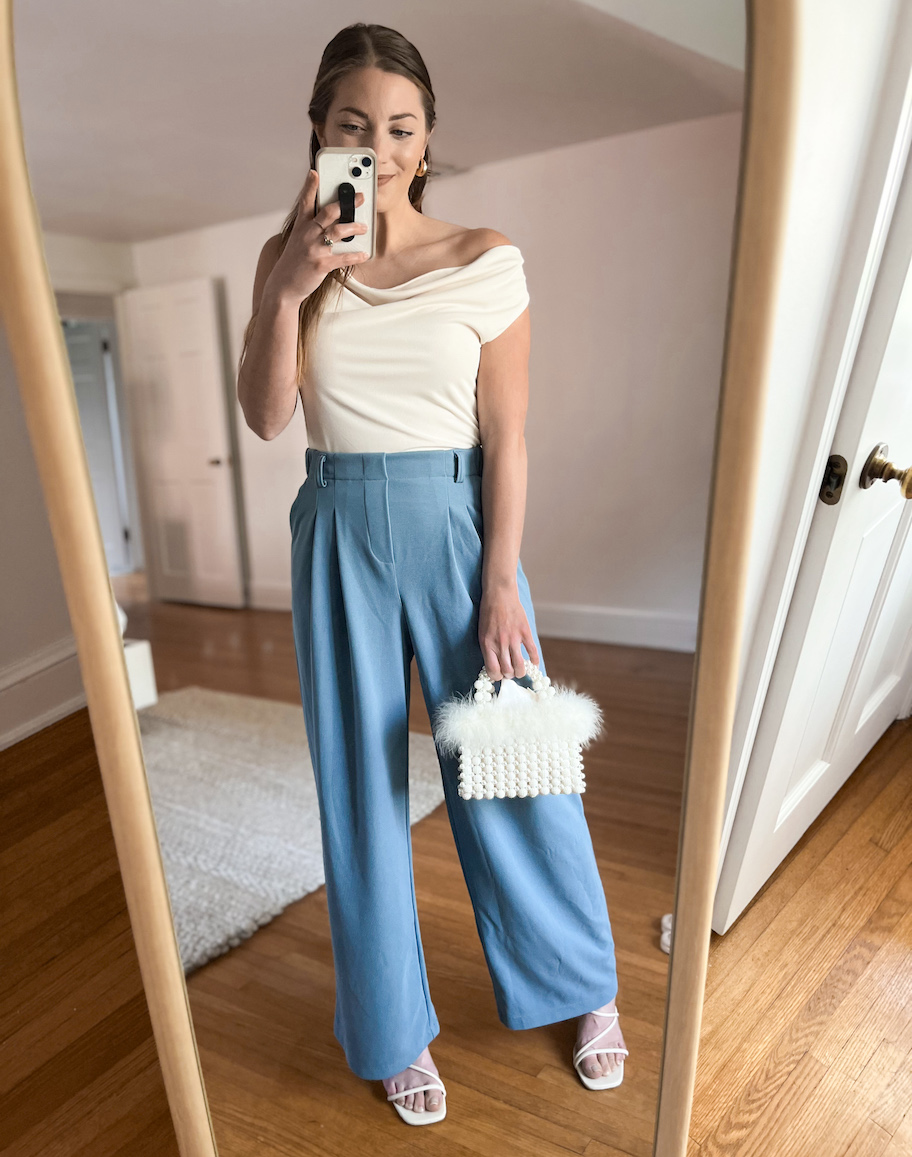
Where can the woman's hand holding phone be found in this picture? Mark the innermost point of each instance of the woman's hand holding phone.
(306, 259)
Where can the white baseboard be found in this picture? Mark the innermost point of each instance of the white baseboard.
(39, 690)
(270, 596)
(624, 626)
(665, 630)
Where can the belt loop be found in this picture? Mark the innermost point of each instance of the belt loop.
(321, 481)
(460, 471)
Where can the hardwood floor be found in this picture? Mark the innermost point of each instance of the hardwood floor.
(79, 1071)
(806, 1041)
(806, 1029)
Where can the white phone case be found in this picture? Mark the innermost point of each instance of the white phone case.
(341, 169)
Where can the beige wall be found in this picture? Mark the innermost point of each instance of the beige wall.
(627, 244)
(39, 672)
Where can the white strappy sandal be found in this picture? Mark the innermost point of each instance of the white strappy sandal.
(426, 1117)
(609, 1080)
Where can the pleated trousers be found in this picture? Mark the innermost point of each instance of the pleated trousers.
(386, 560)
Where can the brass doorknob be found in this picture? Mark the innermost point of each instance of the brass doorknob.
(877, 466)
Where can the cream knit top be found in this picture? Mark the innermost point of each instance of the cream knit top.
(395, 369)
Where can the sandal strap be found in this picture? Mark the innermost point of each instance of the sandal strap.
(586, 1050)
(416, 1089)
(577, 1057)
(438, 1087)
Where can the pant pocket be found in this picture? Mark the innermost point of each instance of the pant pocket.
(473, 505)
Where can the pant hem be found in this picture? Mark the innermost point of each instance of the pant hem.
(381, 1072)
(558, 1013)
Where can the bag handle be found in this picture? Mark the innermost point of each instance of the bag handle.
(484, 684)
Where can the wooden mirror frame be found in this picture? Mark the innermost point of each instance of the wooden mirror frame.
(49, 402)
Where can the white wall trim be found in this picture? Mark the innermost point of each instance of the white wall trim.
(624, 626)
(39, 690)
(37, 662)
(266, 596)
(36, 723)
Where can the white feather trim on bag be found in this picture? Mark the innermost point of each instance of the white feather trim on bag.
(520, 742)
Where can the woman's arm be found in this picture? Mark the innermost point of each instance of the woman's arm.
(266, 386)
(503, 398)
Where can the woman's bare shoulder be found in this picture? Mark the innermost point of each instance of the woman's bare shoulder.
(271, 248)
(460, 245)
(478, 241)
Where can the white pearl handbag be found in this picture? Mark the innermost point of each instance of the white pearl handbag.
(520, 742)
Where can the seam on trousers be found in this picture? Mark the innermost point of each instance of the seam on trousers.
(407, 674)
(389, 528)
(422, 972)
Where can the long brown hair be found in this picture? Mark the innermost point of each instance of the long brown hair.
(356, 46)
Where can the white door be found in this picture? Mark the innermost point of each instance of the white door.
(842, 672)
(96, 399)
(176, 388)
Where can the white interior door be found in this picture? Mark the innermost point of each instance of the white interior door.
(842, 672)
(173, 369)
(96, 399)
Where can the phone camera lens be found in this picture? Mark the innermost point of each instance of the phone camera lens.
(366, 161)
(356, 172)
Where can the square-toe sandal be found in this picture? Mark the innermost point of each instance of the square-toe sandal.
(609, 1080)
(425, 1117)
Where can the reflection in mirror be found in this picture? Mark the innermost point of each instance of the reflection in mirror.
(303, 586)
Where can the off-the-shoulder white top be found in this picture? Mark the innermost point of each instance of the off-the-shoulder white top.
(395, 369)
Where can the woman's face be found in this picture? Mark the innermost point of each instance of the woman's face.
(383, 111)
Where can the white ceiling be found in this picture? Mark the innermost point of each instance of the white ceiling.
(143, 120)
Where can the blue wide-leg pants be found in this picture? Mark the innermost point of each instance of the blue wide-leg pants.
(386, 564)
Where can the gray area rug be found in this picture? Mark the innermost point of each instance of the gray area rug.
(235, 805)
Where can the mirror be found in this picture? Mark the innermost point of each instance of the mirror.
(150, 252)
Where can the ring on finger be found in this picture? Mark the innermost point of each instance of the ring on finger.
(327, 240)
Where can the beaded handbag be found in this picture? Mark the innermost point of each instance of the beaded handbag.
(521, 742)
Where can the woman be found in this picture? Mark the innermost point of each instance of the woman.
(405, 370)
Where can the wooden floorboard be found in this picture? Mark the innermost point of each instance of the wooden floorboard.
(79, 1072)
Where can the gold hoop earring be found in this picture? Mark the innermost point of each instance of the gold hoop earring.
(422, 168)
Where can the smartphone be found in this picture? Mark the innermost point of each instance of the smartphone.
(342, 173)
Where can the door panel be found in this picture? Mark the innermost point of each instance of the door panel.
(176, 384)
